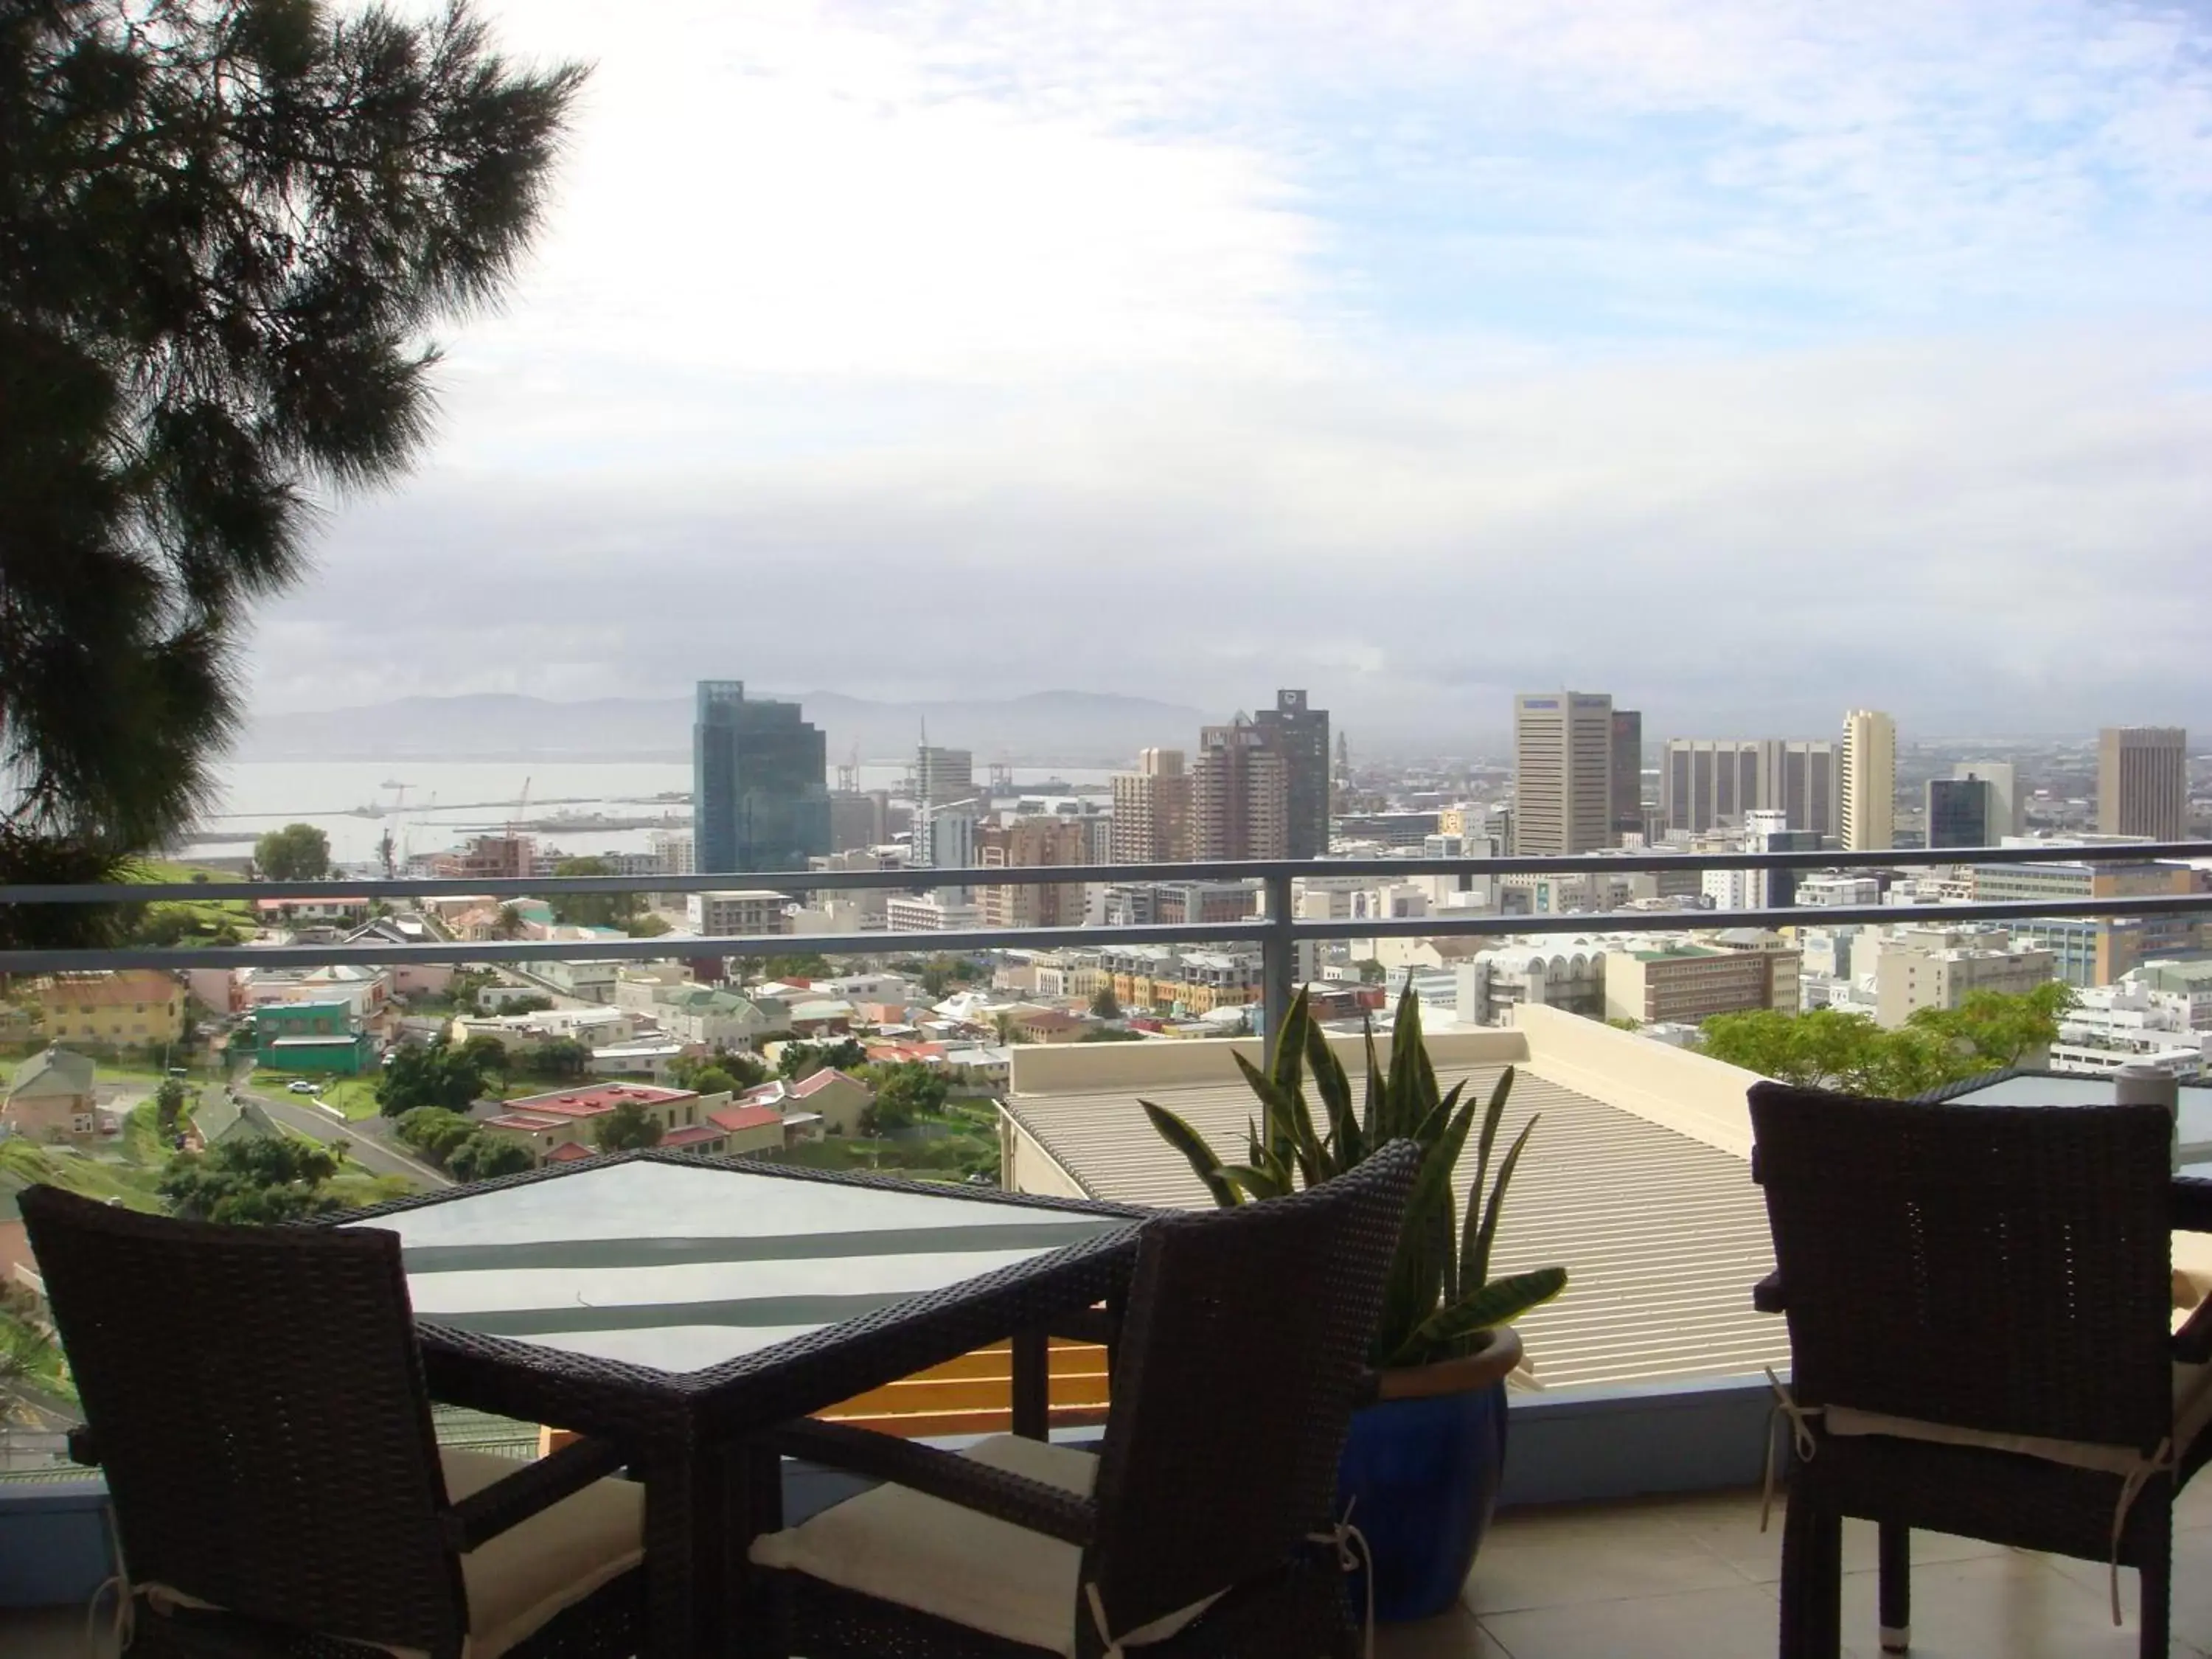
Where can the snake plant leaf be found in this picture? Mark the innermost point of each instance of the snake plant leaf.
(1407, 1108)
(1287, 1070)
(1470, 1226)
(1374, 1118)
(1261, 1184)
(1345, 1148)
(1427, 1258)
(1202, 1158)
(1284, 1111)
(1478, 1269)
(1446, 1333)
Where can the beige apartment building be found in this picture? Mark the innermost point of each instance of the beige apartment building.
(1689, 983)
(1154, 811)
(1562, 768)
(2143, 781)
(1866, 782)
(1241, 792)
(1928, 968)
(721, 915)
(141, 1005)
(1027, 843)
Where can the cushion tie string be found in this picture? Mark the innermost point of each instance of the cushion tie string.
(2160, 1462)
(1801, 1438)
(1352, 1553)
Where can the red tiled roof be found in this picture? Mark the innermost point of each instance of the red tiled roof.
(590, 1100)
(568, 1151)
(692, 1133)
(735, 1118)
(808, 1086)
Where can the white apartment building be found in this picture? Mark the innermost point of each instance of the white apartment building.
(1928, 968)
(929, 912)
(2114, 1025)
(1838, 890)
(1567, 973)
(732, 912)
(674, 852)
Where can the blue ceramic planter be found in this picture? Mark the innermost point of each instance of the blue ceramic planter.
(1421, 1475)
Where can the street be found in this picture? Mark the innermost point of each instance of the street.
(362, 1144)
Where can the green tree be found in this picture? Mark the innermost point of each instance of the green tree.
(713, 1080)
(628, 1126)
(797, 1060)
(1372, 972)
(907, 1092)
(168, 1108)
(647, 924)
(437, 1074)
(434, 1130)
(298, 851)
(807, 965)
(531, 1003)
(484, 1157)
(1831, 1048)
(562, 1058)
(486, 1054)
(591, 910)
(1112, 1034)
(254, 1182)
(1105, 1004)
(226, 227)
(510, 924)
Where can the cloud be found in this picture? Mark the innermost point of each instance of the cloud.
(1749, 360)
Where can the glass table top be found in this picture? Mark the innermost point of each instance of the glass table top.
(679, 1266)
(2194, 1112)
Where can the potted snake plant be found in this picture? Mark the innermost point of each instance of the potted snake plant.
(1421, 1467)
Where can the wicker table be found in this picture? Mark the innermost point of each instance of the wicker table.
(678, 1304)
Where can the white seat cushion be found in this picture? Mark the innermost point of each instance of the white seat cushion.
(517, 1582)
(923, 1553)
(2192, 1413)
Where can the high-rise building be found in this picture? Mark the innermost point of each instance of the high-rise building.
(1240, 793)
(1867, 781)
(1299, 734)
(858, 818)
(1024, 843)
(1705, 783)
(759, 794)
(1153, 816)
(2006, 814)
(2143, 781)
(1562, 772)
(1626, 805)
(1961, 813)
(943, 775)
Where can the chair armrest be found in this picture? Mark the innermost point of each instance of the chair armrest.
(1766, 1296)
(533, 1488)
(1086, 1325)
(2192, 1204)
(82, 1448)
(1030, 1504)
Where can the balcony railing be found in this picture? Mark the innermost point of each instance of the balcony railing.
(1274, 929)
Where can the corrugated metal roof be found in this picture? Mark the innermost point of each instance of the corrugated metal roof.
(1662, 1236)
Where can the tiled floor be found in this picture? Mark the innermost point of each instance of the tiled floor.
(1680, 1578)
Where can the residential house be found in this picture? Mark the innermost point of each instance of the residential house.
(645, 1056)
(563, 1117)
(1047, 1025)
(51, 1099)
(838, 1099)
(427, 979)
(749, 1128)
(223, 1120)
(341, 911)
(822, 1015)
(312, 1036)
(594, 1027)
(137, 1007)
(707, 1017)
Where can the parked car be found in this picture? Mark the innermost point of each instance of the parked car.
(299, 1086)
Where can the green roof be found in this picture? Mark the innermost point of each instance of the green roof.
(53, 1072)
(1674, 952)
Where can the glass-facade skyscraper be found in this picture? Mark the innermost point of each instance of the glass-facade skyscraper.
(760, 796)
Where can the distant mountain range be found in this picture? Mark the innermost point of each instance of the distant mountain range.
(1044, 728)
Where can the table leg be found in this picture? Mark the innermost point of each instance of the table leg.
(685, 1524)
(1032, 1385)
(753, 1485)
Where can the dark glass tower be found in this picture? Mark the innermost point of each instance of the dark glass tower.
(1958, 813)
(759, 792)
(1300, 735)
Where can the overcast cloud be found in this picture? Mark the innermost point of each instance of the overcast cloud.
(1750, 361)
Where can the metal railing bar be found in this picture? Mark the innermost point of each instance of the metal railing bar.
(1247, 931)
(1031, 875)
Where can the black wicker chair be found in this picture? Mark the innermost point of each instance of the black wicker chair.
(1980, 1310)
(1204, 1525)
(256, 1398)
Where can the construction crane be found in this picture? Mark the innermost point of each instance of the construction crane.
(848, 774)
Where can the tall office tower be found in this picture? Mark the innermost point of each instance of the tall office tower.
(1706, 781)
(1961, 813)
(1240, 793)
(1562, 772)
(1152, 811)
(2143, 781)
(2007, 816)
(1625, 804)
(1299, 734)
(858, 818)
(1024, 843)
(943, 775)
(1867, 781)
(759, 797)
(944, 836)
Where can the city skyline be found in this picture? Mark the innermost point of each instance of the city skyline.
(1422, 360)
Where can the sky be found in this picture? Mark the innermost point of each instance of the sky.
(1750, 360)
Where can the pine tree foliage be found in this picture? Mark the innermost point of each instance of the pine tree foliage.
(228, 228)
